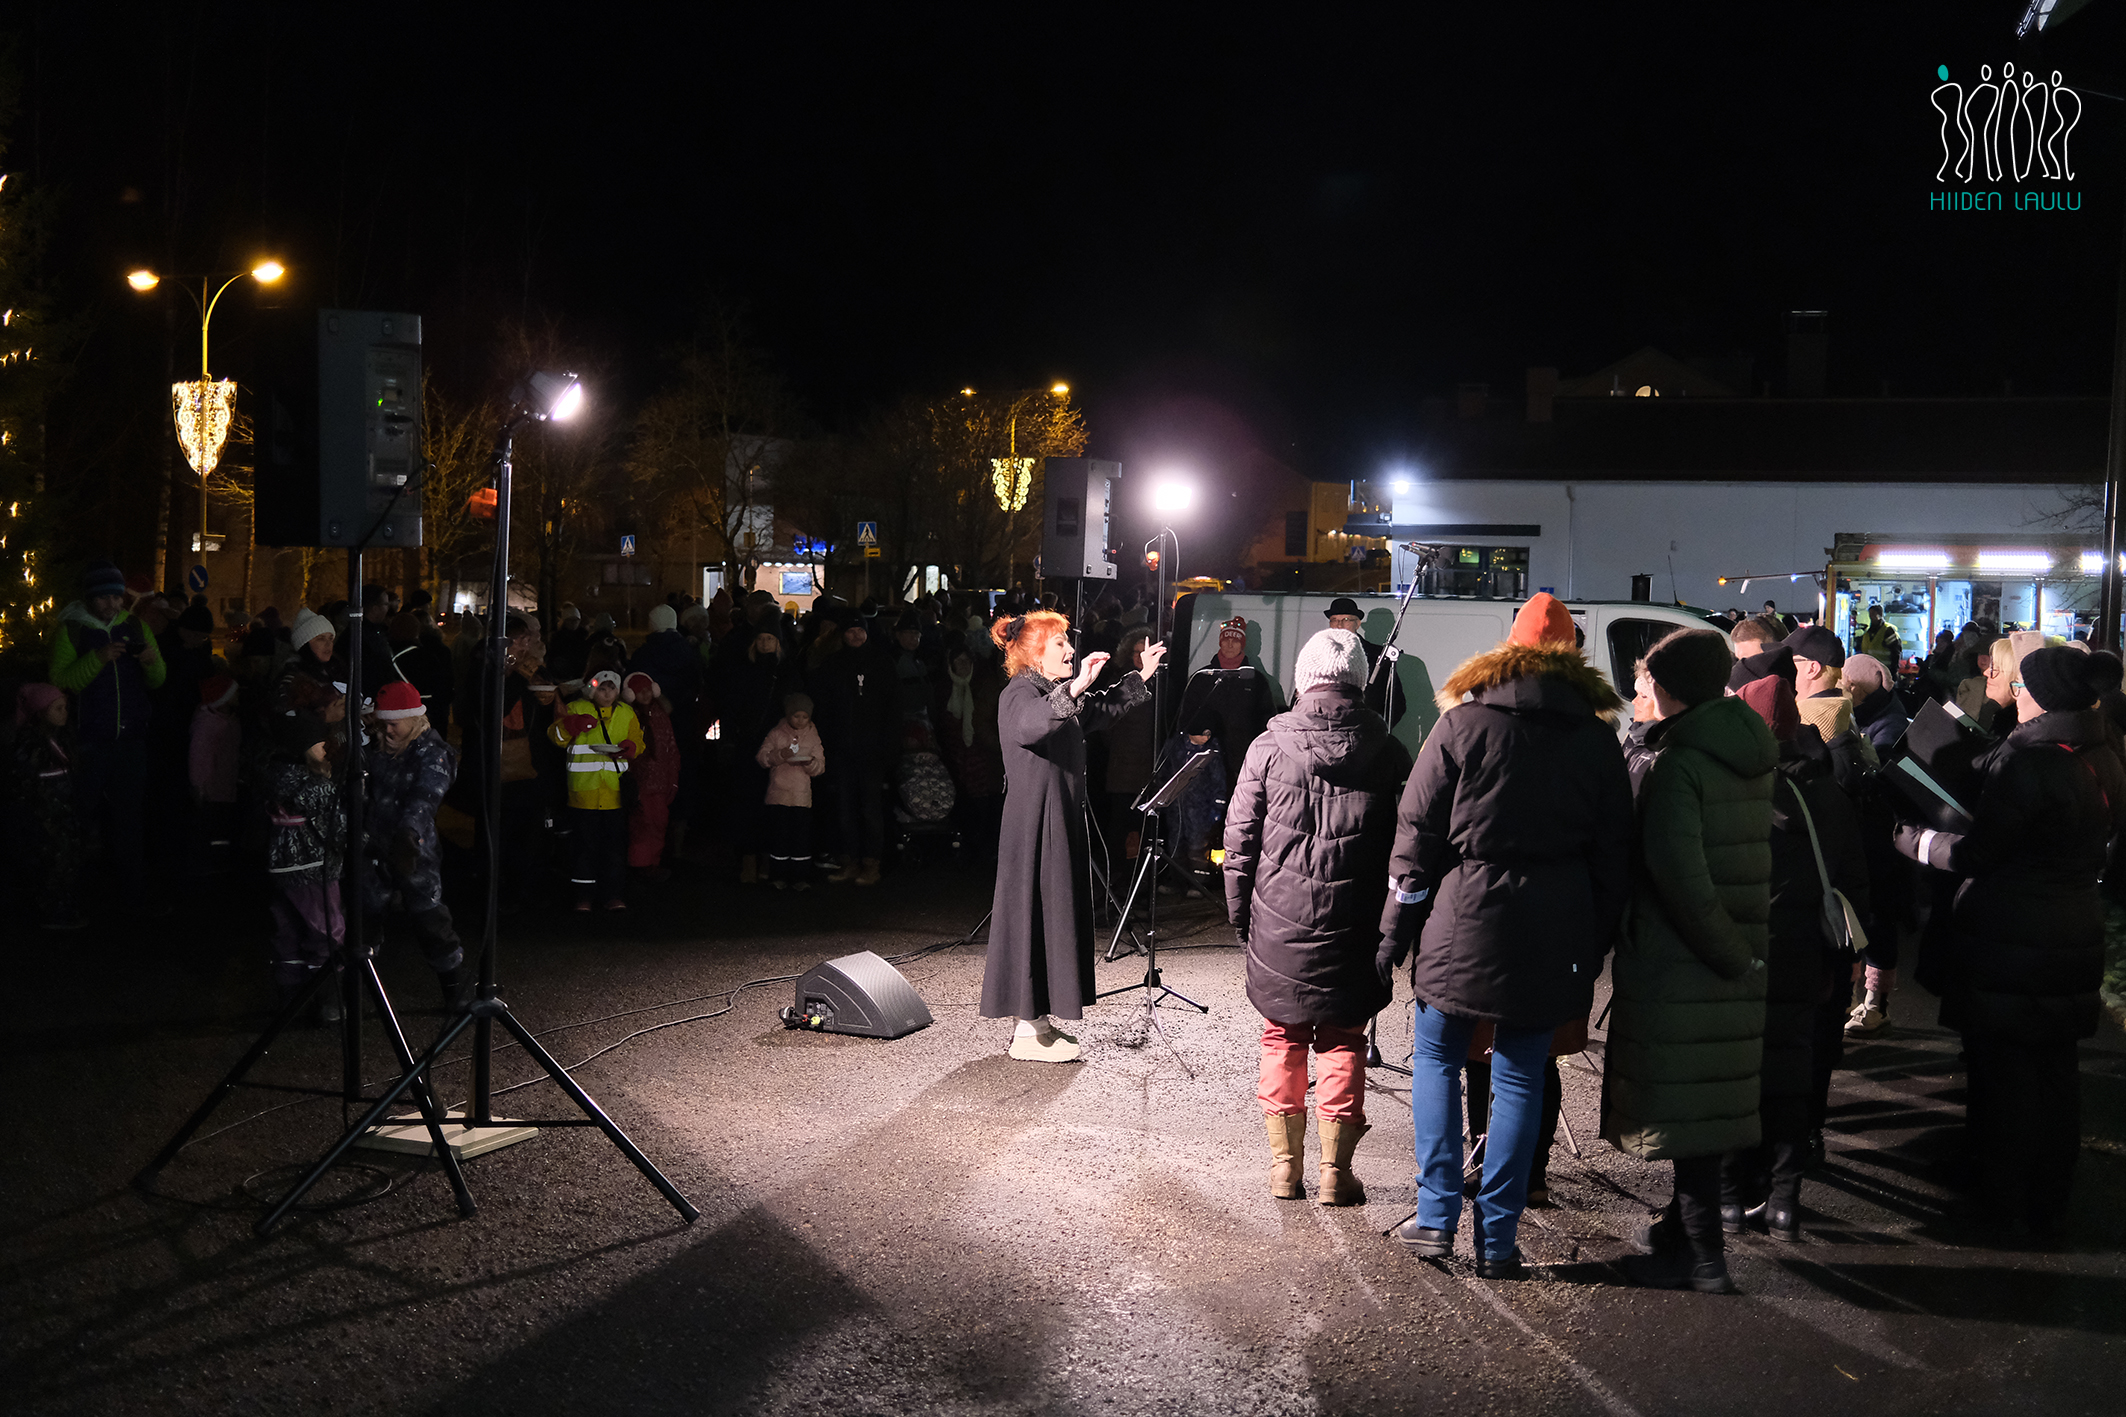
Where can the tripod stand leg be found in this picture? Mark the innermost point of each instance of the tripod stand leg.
(591, 1110)
(289, 1011)
(423, 1089)
(369, 1119)
(1147, 861)
(1168, 992)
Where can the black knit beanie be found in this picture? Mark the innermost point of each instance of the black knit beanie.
(2059, 679)
(1692, 665)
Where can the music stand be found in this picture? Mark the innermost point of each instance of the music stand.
(1151, 857)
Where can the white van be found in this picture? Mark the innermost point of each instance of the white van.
(1437, 635)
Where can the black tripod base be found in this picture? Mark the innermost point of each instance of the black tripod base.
(1149, 982)
(363, 979)
(493, 1011)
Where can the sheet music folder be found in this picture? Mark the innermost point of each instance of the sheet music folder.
(1934, 766)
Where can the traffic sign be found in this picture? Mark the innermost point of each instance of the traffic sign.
(627, 545)
(196, 580)
(867, 533)
(871, 553)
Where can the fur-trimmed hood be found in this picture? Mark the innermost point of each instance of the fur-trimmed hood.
(1532, 678)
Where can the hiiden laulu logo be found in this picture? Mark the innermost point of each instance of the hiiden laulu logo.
(2016, 128)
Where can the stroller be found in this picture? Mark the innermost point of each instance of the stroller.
(923, 798)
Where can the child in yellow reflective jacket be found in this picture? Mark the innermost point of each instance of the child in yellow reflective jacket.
(600, 736)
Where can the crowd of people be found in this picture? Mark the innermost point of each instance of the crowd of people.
(1729, 856)
(784, 749)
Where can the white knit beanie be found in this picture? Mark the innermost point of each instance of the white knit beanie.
(308, 626)
(1331, 657)
(663, 617)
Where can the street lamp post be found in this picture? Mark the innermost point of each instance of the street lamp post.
(201, 410)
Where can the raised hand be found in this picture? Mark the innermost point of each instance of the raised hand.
(1088, 670)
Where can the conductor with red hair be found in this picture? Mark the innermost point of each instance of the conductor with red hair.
(1040, 965)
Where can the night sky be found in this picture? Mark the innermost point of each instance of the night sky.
(1224, 227)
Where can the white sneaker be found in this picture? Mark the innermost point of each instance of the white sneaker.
(1044, 1045)
(1868, 1020)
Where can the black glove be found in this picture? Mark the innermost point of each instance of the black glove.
(1389, 959)
(1906, 840)
(403, 853)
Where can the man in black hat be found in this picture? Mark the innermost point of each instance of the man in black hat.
(1343, 614)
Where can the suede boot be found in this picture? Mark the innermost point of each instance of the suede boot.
(843, 871)
(1288, 1140)
(868, 876)
(1339, 1183)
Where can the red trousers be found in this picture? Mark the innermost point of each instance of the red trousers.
(1340, 1095)
(645, 829)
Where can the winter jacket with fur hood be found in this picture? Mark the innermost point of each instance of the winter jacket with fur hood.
(1686, 1035)
(1513, 841)
(1307, 837)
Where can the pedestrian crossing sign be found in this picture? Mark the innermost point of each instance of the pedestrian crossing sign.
(627, 545)
(867, 533)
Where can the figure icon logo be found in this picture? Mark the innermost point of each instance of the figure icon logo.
(2016, 126)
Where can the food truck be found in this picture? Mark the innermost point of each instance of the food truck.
(1925, 584)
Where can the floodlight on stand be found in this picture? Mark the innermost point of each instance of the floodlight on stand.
(548, 395)
(1172, 494)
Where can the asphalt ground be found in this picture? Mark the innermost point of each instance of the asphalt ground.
(923, 1225)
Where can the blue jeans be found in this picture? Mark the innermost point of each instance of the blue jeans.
(1517, 1059)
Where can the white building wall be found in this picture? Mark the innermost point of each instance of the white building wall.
(1597, 535)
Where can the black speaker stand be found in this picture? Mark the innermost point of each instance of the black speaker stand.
(359, 964)
(489, 1011)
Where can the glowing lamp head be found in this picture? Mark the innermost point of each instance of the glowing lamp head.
(1059, 388)
(268, 272)
(551, 395)
(1399, 485)
(967, 393)
(143, 279)
(1171, 495)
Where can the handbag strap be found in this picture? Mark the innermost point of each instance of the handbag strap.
(1815, 846)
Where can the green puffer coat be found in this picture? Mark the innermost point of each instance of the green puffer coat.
(1687, 1031)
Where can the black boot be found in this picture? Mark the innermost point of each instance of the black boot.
(330, 1007)
(1660, 1234)
(458, 983)
(1782, 1211)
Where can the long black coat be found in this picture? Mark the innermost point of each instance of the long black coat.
(1799, 963)
(1513, 847)
(1041, 935)
(2027, 932)
(1307, 837)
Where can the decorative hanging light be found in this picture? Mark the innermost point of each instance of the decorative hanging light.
(1013, 479)
(203, 409)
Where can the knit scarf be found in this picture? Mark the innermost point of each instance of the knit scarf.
(960, 704)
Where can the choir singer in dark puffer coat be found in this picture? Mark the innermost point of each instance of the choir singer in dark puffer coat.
(1307, 837)
(2027, 932)
(1512, 867)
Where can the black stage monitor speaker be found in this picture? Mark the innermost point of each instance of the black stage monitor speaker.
(859, 994)
(1077, 540)
(336, 415)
